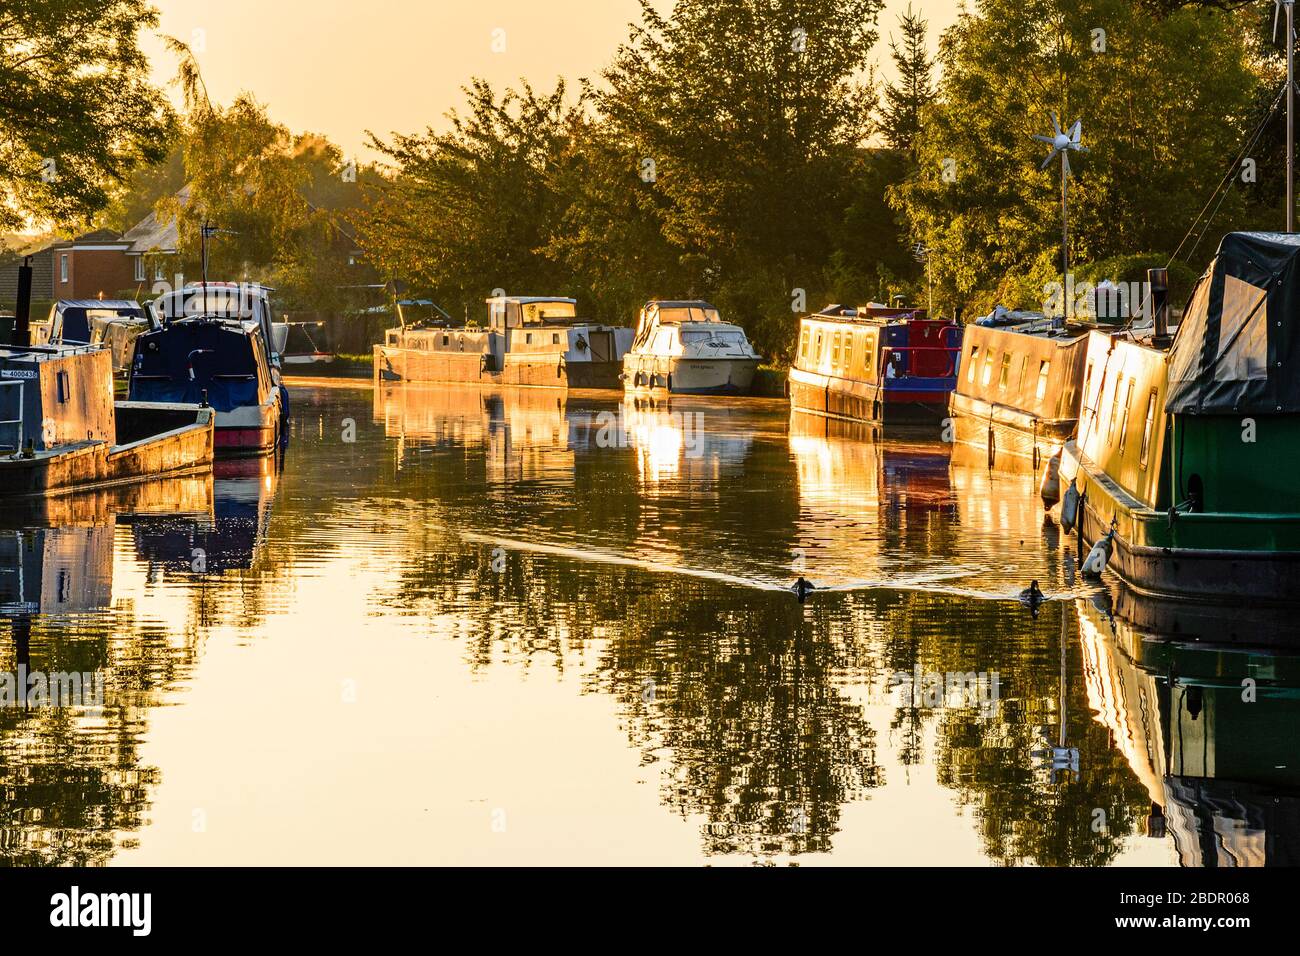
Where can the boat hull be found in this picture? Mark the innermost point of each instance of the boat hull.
(549, 371)
(1011, 438)
(854, 400)
(674, 376)
(176, 450)
(1228, 559)
(248, 431)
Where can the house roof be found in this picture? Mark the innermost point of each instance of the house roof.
(152, 234)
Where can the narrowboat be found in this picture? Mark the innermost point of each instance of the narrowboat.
(1188, 451)
(529, 340)
(1017, 395)
(1217, 762)
(61, 431)
(111, 323)
(213, 346)
(684, 348)
(875, 364)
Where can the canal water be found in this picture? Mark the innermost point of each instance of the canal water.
(524, 627)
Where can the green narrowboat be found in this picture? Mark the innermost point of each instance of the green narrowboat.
(1188, 452)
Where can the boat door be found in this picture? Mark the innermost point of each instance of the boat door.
(602, 345)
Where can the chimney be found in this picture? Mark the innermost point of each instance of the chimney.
(1158, 283)
(22, 337)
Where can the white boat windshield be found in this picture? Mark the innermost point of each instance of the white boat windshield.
(728, 337)
(678, 314)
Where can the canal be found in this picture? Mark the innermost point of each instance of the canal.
(463, 626)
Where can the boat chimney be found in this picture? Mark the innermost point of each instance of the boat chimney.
(1158, 283)
(22, 335)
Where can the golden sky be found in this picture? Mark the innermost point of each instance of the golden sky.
(340, 67)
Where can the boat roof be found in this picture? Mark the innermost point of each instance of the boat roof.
(112, 305)
(680, 304)
(528, 299)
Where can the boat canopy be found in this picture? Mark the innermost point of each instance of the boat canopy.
(1237, 349)
(182, 361)
(72, 320)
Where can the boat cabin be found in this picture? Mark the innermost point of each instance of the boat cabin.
(55, 395)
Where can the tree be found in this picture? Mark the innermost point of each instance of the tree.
(77, 112)
(753, 112)
(473, 209)
(914, 88)
(978, 199)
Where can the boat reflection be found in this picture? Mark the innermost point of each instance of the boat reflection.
(75, 788)
(221, 534)
(1209, 730)
(682, 439)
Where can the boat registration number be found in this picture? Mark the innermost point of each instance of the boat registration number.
(17, 373)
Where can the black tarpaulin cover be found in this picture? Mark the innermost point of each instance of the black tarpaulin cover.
(1237, 350)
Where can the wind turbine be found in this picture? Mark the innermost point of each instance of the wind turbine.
(1062, 144)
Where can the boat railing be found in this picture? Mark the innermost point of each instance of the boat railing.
(11, 404)
(923, 361)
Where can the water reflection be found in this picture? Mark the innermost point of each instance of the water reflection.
(575, 609)
(1208, 729)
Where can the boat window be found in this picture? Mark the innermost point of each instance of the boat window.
(693, 313)
(1024, 370)
(803, 344)
(1128, 404)
(835, 351)
(446, 340)
(528, 338)
(65, 392)
(1004, 376)
(1087, 378)
(848, 351)
(974, 358)
(555, 338)
(1114, 408)
(817, 357)
(988, 368)
(1148, 427)
(1044, 370)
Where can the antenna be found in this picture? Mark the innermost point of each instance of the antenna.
(1062, 144)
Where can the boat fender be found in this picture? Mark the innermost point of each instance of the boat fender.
(1070, 507)
(1098, 557)
(1050, 487)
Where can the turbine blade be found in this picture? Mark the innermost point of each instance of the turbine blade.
(1056, 126)
(1048, 161)
(1277, 8)
(1076, 131)
(1080, 148)
(1044, 139)
(1065, 156)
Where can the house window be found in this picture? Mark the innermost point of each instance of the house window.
(63, 267)
(139, 268)
(1148, 428)
(1044, 370)
(1004, 376)
(1128, 404)
(974, 359)
(158, 274)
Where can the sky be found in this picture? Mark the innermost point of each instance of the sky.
(341, 67)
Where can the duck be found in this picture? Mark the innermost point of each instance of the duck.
(802, 588)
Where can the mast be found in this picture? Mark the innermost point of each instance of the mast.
(1290, 114)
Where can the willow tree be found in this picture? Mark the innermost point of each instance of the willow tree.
(77, 110)
(1166, 104)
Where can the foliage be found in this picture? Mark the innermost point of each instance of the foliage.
(77, 111)
(914, 89)
(1162, 126)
